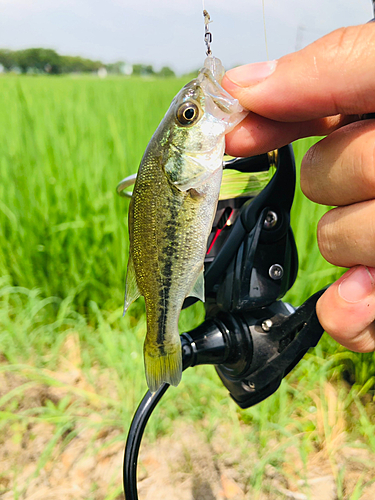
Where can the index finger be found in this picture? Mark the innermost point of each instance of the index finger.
(334, 75)
(257, 134)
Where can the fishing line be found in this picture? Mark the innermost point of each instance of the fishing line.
(264, 26)
(265, 29)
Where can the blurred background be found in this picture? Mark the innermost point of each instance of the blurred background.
(83, 85)
(169, 33)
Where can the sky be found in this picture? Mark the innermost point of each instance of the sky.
(170, 32)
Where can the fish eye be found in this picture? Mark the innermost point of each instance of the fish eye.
(187, 113)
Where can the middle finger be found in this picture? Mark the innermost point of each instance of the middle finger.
(256, 134)
(340, 169)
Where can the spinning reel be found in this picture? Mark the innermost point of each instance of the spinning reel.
(251, 337)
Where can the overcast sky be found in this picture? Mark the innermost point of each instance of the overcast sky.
(170, 32)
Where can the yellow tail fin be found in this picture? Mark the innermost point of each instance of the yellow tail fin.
(162, 365)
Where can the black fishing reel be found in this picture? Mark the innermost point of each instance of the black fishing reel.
(251, 337)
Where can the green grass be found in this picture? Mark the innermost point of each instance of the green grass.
(65, 145)
(291, 426)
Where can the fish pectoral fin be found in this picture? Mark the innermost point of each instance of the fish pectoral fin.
(191, 175)
(131, 288)
(198, 288)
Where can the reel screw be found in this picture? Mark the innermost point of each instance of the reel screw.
(276, 272)
(248, 386)
(266, 325)
(270, 220)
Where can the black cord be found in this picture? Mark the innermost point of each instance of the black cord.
(133, 443)
(206, 344)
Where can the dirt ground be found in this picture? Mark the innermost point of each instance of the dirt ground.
(36, 463)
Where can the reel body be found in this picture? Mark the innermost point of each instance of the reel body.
(247, 272)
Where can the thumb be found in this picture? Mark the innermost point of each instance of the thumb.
(334, 75)
(346, 310)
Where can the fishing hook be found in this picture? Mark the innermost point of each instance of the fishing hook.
(207, 32)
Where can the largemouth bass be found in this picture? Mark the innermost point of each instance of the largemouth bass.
(171, 213)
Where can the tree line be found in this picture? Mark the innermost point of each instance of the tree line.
(48, 61)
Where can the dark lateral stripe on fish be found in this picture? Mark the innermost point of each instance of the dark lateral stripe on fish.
(164, 292)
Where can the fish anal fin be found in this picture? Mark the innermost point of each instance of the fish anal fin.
(131, 288)
(162, 365)
(198, 288)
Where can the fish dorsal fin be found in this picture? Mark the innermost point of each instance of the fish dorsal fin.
(198, 288)
(131, 288)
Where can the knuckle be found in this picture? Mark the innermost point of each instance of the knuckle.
(346, 45)
(332, 328)
(325, 310)
(326, 237)
(330, 321)
(365, 166)
(342, 325)
(308, 179)
(338, 47)
(363, 342)
(335, 43)
(343, 51)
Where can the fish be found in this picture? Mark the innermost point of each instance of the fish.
(171, 214)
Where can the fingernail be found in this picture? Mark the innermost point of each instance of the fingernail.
(358, 285)
(250, 74)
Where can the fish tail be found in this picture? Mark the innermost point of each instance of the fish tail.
(162, 364)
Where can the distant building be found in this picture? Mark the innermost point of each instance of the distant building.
(102, 72)
(127, 69)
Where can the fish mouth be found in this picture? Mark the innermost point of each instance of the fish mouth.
(206, 87)
(218, 102)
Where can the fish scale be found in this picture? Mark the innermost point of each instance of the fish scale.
(171, 213)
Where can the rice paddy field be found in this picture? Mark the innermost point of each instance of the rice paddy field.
(71, 367)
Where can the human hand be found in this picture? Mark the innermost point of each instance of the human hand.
(322, 90)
